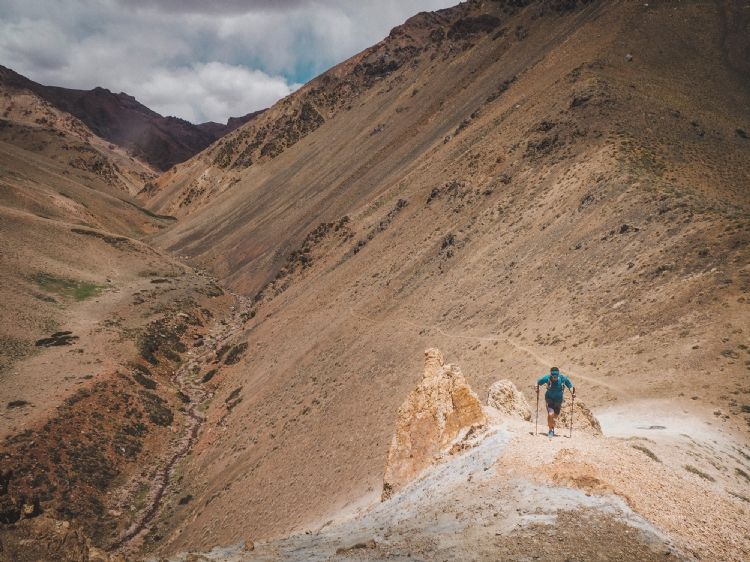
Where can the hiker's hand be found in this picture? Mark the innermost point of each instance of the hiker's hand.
(574, 395)
(536, 387)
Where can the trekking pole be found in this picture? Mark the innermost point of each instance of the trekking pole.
(536, 427)
(572, 401)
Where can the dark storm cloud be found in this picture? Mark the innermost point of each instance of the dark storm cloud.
(197, 59)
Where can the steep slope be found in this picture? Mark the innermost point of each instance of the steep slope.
(557, 183)
(92, 324)
(160, 142)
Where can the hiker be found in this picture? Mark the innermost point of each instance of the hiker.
(554, 395)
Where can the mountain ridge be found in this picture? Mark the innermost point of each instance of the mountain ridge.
(120, 119)
(529, 184)
(563, 190)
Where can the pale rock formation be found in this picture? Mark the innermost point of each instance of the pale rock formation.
(583, 419)
(504, 396)
(431, 418)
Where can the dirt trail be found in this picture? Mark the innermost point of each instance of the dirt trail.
(507, 340)
(131, 538)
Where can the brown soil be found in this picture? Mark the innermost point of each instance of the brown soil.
(519, 195)
(531, 199)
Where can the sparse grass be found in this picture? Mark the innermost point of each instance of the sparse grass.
(739, 496)
(203, 407)
(742, 473)
(647, 451)
(68, 288)
(700, 473)
(139, 501)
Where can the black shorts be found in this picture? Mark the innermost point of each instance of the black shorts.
(554, 406)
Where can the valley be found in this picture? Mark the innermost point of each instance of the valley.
(518, 184)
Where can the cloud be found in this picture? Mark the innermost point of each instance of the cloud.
(36, 43)
(196, 59)
(213, 91)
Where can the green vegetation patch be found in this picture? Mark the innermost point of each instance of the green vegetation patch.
(699, 473)
(155, 408)
(67, 288)
(234, 356)
(159, 336)
(119, 242)
(144, 381)
(647, 451)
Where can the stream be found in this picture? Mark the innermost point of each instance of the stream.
(131, 538)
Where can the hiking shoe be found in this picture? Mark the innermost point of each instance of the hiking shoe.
(551, 433)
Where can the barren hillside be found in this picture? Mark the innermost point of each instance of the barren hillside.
(88, 399)
(140, 133)
(521, 184)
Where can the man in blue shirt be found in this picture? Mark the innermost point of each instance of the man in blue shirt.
(554, 395)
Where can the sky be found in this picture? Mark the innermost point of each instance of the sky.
(201, 60)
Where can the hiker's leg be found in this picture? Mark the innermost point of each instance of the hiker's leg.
(553, 410)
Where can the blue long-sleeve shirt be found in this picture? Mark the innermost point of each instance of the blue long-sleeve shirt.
(555, 391)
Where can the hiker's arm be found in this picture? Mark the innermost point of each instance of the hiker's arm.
(539, 383)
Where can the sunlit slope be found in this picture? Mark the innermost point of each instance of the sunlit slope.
(70, 223)
(517, 193)
(82, 300)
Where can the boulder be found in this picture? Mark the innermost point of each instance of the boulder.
(431, 418)
(583, 419)
(504, 396)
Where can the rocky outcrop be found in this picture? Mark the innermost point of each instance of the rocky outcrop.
(431, 418)
(504, 396)
(583, 419)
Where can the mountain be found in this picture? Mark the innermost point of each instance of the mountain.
(78, 296)
(517, 184)
(159, 141)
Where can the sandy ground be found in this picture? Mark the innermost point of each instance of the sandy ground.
(520, 497)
